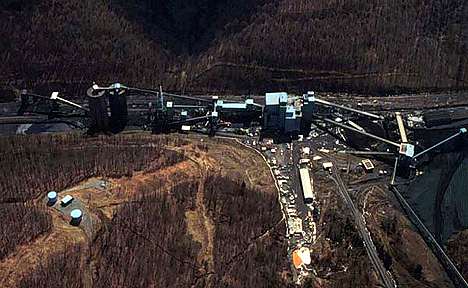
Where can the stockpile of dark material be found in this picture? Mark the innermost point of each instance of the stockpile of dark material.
(240, 46)
(439, 195)
(444, 117)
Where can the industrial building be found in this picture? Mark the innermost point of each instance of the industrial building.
(307, 186)
(281, 115)
(288, 115)
(327, 166)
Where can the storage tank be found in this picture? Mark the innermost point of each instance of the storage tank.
(98, 111)
(76, 216)
(51, 197)
(119, 110)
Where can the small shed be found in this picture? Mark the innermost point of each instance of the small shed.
(327, 165)
(66, 200)
(185, 128)
(368, 165)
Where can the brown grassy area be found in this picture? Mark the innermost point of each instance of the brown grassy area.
(457, 248)
(20, 224)
(30, 231)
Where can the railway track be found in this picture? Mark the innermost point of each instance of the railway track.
(444, 259)
(384, 275)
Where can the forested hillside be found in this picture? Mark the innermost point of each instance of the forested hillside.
(237, 46)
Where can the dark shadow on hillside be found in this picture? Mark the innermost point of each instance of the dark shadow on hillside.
(188, 26)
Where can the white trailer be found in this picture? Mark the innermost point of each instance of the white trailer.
(307, 188)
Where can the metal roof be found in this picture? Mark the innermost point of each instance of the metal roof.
(67, 199)
(307, 188)
(368, 164)
(291, 109)
(275, 98)
(234, 106)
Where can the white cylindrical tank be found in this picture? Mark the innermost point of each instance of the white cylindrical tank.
(76, 216)
(52, 197)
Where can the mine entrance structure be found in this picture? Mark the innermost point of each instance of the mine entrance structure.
(286, 115)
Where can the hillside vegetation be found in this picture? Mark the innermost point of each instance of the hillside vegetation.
(173, 212)
(236, 46)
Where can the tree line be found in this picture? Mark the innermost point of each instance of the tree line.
(34, 165)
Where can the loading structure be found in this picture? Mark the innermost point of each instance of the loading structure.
(39, 109)
(109, 108)
(168, 112)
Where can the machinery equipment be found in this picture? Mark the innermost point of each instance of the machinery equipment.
(111, 109)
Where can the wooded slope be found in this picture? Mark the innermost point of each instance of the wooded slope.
(252, 46)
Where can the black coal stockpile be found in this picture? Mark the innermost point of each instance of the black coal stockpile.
(439, 196)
